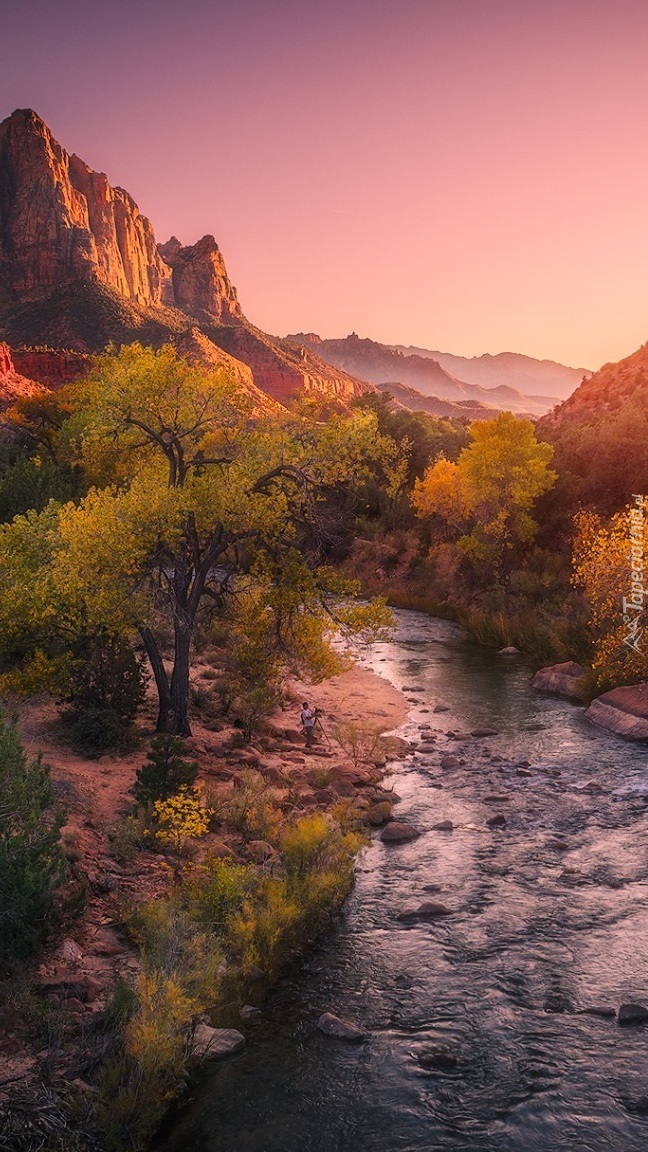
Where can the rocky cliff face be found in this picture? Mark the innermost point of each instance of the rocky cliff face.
(200, 282)
(62, 223)
(13, 386)
(79, 267)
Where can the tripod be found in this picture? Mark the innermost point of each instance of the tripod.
(318, 724)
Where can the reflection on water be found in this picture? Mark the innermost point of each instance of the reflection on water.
(549, 917)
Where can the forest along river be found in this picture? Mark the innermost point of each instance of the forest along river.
(549, 917)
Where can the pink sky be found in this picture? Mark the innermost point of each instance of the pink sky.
(470, 176)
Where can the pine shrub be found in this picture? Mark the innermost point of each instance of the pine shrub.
(32, 864)
(165, 772)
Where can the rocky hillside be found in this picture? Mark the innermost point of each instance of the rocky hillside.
(383, 364)
(600, 436)
(13, 385)
(80, 266)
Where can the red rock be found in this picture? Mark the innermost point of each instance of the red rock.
(13, 385)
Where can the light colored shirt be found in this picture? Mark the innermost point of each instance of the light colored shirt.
(307, 718)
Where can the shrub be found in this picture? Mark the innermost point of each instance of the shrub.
(106, 675)
(252, 808)
(180, 818)
(96, 730)
(166, 770)
(32, 865)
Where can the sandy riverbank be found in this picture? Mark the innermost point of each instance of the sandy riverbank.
(78, 973)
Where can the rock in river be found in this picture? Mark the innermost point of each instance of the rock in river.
(398, 832)
(498, 821)
(560, 680)
(429, 910)
(443, 826)
(438, 1058)
(449, 762)
(215, 1043)
(332, 1025)
(623, 711)
(633, 1014)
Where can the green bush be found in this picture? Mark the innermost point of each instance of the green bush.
(166, 770)
(106, 675)
(96, 730)
(32, 865)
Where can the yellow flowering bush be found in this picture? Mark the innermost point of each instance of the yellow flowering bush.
(181, 818)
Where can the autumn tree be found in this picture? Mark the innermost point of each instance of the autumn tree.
(188, 492)
(488, 495)
(608, 565)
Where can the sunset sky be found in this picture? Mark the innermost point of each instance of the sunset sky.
(470, 176)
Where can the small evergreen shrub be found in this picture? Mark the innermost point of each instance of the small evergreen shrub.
(94, 731)
(32, 864)
(166, 770)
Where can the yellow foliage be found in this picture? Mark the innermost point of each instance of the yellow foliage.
(181, 818)
(603, 568)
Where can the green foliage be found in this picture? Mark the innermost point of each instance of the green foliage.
(32, 865)
(30, 483)
(106, 674)
(166, 770)
(94, 731)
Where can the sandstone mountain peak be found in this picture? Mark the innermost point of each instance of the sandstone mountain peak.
(80, 266)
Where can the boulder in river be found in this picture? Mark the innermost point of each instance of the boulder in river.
(429, 910)
(478, 733)
(633, 1014)
(623, 711)
(560, 680)
(441, 1059)
(449, 762)
(332, 1025)
(510, 650)
(399, 832)
(443, 826)
(215, 1043)
(498, 821)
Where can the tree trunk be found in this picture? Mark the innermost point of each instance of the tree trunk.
(179, 714)
(161, 679)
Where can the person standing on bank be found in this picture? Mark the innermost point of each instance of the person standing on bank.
(308, 718)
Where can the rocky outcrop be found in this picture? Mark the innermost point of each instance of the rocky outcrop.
(13, 386)
(560, 680)
(49, 367)
(623, 711)
(60, 222)
(80, 267)
(201, 285)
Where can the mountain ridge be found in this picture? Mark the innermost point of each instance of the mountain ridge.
(80, 267)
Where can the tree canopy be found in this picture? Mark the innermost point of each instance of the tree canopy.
(188, 493)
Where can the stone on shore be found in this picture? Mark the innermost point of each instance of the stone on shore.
(623, 711)
(478, 733)
(332, 1025)
(398, 832)
(560, 680)
(215, 1043)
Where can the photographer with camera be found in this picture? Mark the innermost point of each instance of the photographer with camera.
(308, 718)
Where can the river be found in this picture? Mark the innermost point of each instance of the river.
(549, 916)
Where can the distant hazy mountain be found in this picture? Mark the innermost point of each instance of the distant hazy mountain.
(533, 377)
(382, 364)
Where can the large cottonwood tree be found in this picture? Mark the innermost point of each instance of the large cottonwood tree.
(190, 489)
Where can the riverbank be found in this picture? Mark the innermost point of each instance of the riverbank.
(495, 1025)
(55, 1024)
